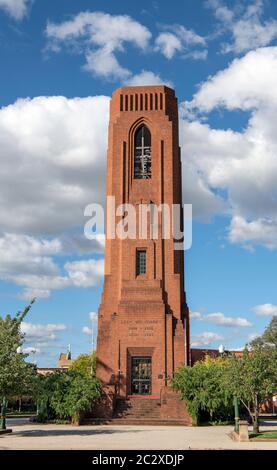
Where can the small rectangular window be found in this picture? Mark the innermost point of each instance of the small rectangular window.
(140, 262)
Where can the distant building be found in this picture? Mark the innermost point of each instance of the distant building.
(200, 354)
(64, 361)
(49, 370)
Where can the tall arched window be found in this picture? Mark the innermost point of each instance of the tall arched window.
(142, 157)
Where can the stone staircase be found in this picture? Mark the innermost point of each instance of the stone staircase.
(137, 411)
(137, 408)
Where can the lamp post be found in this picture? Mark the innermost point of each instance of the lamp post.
(3, 413)
(236, 407)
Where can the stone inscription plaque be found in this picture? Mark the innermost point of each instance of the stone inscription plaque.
(141, 327)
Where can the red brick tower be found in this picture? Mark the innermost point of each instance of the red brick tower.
(143, 332)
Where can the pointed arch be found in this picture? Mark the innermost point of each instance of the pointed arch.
(142, 152)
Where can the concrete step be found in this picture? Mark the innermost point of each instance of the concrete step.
(136, 415)
(137, 409)
(134, 422)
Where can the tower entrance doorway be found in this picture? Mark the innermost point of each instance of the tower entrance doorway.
(141, 375)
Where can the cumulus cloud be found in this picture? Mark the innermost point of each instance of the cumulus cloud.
(85, 273)
(53, 164)
(219, 318)
(242, 164)
(265, 309)
(176, 38)
(40, 332)
(53, 157)
(168, 44)
(40, 339)
(92, 329)
(256, 232)
(99, 36)
(246, 84)
(207, 338)
(31, 262)
(17, 9)
(29, 255)
(39, 285)
(31, 350)
(196, 315)
(146, 77)
(248, 29)
(87, 330)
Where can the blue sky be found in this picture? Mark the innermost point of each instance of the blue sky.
(60, 62)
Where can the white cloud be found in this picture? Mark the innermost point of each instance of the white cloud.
(26, 254)
(245, 24)
(104, 64)
(241, 165)
(85, 273)
(219, 318)
(197, 55)
(91, 330)
(25, 261)
(16, 8)
(205, 339)
(31, 293)
(39, 285)
(146, 77)
(87, 330)
(177, 38)
(197, 315)
(247, 83)
(265, 309)
(221, 12)
(99, 36)
(257, 232)
(41, 338)
(31, 350)
(53, 164)
(53, 159)
(168, 44)
(41, 333)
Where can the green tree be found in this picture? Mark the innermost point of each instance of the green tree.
(252, 378)
(44, 388)
(15, 373)
(80, 395)
(85, 363)
(202, 387)
(269, 337)
(67, 394)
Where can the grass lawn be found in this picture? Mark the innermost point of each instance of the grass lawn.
(264, 435)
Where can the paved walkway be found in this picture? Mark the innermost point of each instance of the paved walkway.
(38, 436)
